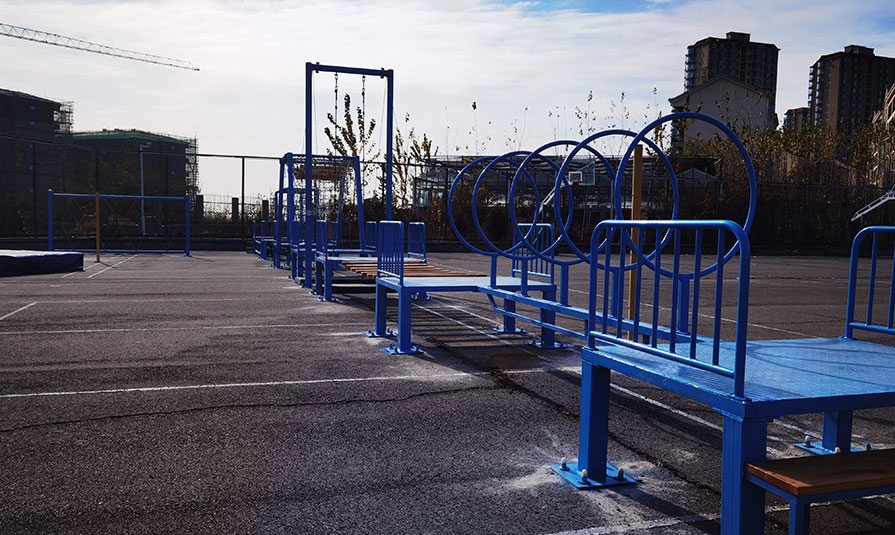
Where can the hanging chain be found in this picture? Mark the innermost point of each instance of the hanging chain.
(336, 107)
(362, 124)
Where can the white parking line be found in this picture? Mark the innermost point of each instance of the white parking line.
(110, 267)
(29, 305)
(262, 384)
(657, 523)
(190, 328)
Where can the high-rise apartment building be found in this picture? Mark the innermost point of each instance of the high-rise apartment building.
(735, 56)
(846, 88)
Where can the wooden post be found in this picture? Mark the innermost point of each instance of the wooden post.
(636, 179)
(97, 227)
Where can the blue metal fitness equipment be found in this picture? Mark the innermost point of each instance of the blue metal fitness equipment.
(832, 375)
(310, 70)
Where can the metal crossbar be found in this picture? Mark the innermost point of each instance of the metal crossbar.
(619, 256)
(868, 324)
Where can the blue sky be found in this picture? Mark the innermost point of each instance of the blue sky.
(527, 65)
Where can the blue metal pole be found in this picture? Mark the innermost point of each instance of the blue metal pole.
(50, 220)
(389, 125)
(187, 202)
(290, 199)
(309, 207)
(359, 188)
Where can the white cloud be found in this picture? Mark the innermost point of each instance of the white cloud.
(248, 97)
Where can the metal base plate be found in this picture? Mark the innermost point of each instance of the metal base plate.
(393, 350)
(554, 345)
(388, 334)
(818, 449)
(504, 331)
(571, 474)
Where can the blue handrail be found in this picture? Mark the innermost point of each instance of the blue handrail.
(606, 320)
(868, 325)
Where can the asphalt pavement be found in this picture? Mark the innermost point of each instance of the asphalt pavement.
(211, 394)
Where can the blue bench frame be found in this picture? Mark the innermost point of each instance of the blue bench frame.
(390, 277)
(842, 375)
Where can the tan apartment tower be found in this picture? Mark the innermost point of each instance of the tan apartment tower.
(737, 57)
(846, 88)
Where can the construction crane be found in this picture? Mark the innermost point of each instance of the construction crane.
(79, 44)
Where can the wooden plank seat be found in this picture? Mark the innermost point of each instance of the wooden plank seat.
(368, 270)
(805, 480)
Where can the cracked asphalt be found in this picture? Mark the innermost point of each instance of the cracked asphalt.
(162, 394)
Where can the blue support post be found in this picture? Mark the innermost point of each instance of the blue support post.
(186, 199)
(593, 435)
(50, 220)
(389, 129)
(309, 193)
(290, 203)
(742, 504)
(548, 318)
(379, 328)
(837, 430)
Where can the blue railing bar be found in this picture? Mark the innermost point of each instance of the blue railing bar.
(719, 288)
(694, 316)
(539, 323)
(871, 328)
(675, 290)
(148, 251)
(564, 284)
(853, 279)
(872, 285)
(620, 281)
(545, 304)
(638, 271)
(720, 370)
(607, 275)
(134, 197)
(656, 281)
(891, 292)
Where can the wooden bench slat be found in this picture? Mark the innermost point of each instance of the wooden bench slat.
(411, 269)
(804, 476)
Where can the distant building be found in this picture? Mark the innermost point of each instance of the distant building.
(796, 118)
(754, 64)
(885, 117)
(734, 103)
(27, 166)
(169, 162)
(846, 88)
(882, 170)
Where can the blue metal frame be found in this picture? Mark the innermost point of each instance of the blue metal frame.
(800, 506)
(51, 195)
(683, 281)
(389, 75)
(416, 240)
(868, 325)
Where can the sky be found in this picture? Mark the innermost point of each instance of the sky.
(527, 66)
